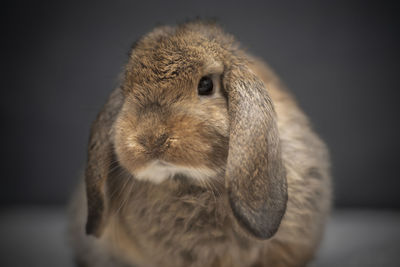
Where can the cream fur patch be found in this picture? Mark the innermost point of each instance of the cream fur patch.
(158, 171)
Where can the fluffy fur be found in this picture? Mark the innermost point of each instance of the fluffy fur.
(237, 178)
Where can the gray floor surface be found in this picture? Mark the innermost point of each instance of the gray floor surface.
(35, 237)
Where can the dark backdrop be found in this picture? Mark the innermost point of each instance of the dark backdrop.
(60, 61)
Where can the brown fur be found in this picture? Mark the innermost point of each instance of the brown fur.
(267, 199)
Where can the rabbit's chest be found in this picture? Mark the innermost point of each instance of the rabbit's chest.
(165, 217)
(185, 228)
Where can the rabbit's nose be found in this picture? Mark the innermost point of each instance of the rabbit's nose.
(153, 143)
(160, 140)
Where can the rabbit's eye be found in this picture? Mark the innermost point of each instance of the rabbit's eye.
(205, 86)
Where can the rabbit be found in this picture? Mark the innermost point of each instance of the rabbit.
(201, 157)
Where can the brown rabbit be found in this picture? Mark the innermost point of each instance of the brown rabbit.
(200, 158)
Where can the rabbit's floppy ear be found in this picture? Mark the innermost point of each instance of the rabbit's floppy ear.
(100, 154)
(255, 175)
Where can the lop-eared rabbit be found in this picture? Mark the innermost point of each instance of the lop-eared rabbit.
(200, 157)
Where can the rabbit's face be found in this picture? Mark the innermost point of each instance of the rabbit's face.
(174, 119)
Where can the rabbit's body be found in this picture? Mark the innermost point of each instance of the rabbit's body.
(185, 221)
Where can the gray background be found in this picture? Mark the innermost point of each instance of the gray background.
(60, 61)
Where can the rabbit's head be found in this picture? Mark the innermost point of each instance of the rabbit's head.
(190, 105)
